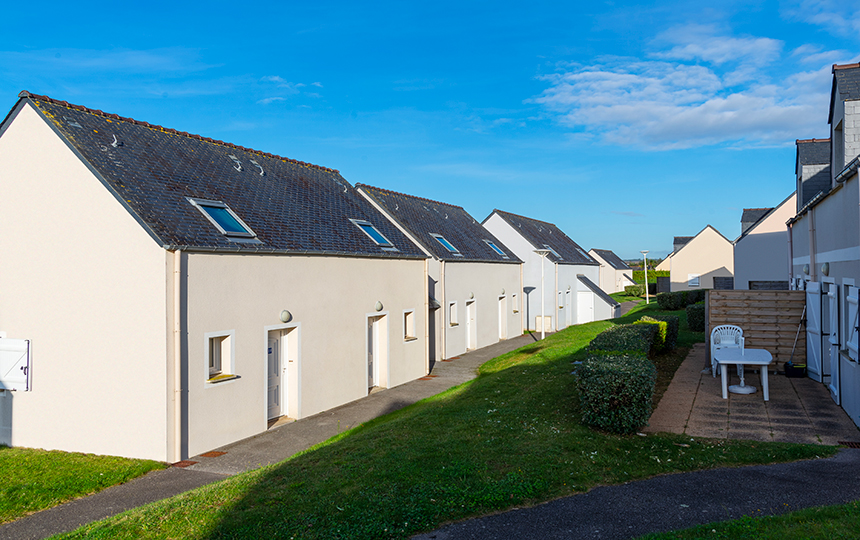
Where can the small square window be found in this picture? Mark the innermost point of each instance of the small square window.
(224, 219)
(496, 248)
(373, 233)
(446, 244)
(554, 252)
(219, 352)
(409, 326)
(692, 280)
(452, 314)
(514, 303)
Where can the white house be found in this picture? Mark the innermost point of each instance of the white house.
(761, 251)
(825, 246)
(615, 274)
(474, 279)
(163, 294)
(571, 294)
(701, 261)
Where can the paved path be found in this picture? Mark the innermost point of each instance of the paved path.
(272, 446)
(672, 502)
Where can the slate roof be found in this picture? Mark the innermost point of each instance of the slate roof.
(424, 217)
(293, 207)
(611, 258)
(812, 152)
(847, 79)
(752, 215)
(538, 233)
(680, 241)
(597, 290)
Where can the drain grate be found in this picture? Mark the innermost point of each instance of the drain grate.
(850, 444)
(184, 463)
(213, 454)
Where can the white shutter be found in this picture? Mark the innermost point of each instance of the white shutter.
(833, 349)
(14, 364)
(851, 329)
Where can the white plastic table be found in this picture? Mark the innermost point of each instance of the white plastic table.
(740, 357)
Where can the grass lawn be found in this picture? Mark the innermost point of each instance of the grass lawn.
(824, 523)
(622, 297)
(32, 480)
(509, 438)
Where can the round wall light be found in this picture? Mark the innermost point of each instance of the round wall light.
(286, 316)
(378, 306)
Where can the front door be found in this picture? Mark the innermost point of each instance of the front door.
(471, 333)
(274, 387)
(584, 307)
(832, 346)
(813, 331)
(372, 351)
(503, 317)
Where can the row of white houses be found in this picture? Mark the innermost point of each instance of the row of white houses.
(163, 294)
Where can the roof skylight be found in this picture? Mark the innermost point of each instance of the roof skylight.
(224, 219)
(554, 252)
(446, 244)
(496, 249)
(374, 234)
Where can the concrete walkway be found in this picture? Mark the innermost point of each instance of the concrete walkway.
(800, 410)
(272, 446)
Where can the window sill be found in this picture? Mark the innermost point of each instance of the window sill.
(454, 324)
(410, 338)
(223, 377)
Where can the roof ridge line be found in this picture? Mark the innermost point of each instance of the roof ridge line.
(811, 140)
(528, 218)
(407, 195)
(845, 66)
(97, 112)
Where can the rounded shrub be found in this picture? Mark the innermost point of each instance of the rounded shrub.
(615, 391)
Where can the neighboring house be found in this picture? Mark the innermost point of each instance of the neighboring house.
(812, 168)
(761, 251)
(615, 274)
(704, 261)
(825, 249)
(474, 280)
(571, 294)
(677, 243)
(166, 294)
(666, 264)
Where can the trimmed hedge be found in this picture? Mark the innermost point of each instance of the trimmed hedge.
(673, 301)
(659, 335)
(696, 317)
(673, 326)
(625, 338)
(615, 391)
(635, 290)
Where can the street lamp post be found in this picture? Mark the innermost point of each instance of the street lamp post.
(645, 263)
(542, 253)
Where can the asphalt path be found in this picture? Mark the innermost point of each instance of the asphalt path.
(672, 502)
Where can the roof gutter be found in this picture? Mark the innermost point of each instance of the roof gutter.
(849, 170)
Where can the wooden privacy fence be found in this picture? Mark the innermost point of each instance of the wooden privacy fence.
(769, 320)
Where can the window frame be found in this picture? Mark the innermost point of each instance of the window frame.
(214, 347)
(446, 244)
(554, 252)
(362, 223)
(453, 316)
(409, 325)
(696, 278)
(201, 205)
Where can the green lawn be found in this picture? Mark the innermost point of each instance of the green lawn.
(824, 523)
(32, 480)
(509, 438)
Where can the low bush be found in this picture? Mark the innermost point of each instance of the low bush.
(673, 326)
(659, 335)
(673, 301)
(696, 317)
(695, 296)
(635, 290)
(624, 338)
(615, 391)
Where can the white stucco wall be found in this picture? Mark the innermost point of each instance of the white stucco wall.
(84, 282)
(762, 255)
(330, 300)
(708, 255)
(611, 279)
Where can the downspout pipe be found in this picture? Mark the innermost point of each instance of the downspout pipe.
(445, 313)
(177, 355)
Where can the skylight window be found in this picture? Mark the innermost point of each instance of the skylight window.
(554, 252)
(496, 249)
(583, 253)
(446, 244)
(220, 215)
(374, 234)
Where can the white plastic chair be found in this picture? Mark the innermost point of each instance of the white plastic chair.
(726, 335)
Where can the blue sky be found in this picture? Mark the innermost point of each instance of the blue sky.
(623, 123)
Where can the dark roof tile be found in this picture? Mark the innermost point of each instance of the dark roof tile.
(613, 259)
(540, 233)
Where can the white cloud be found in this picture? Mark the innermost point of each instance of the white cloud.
(159, 61)
(700, 89)
(269, 100)
(836, 17)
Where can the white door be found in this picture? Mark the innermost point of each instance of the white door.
(471, 331)
(372, 350)
(852, 324)
(503, 317)
(568, 309)
(274, 371)
(584, 307)
(813, 330)
(833, 339)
